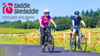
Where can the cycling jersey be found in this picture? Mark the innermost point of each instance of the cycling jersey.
(45, 21)
(76, 20)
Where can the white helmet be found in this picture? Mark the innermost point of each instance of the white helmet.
(46, 10)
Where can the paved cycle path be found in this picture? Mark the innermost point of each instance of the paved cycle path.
(34, 50)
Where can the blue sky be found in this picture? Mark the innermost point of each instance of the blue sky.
(56, 7)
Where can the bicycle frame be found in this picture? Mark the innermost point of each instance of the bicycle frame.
(80, 34)
(48, 33)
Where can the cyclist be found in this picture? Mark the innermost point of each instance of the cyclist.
(75, 22)
(44, 20)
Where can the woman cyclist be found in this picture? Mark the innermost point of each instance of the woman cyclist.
(44, 20)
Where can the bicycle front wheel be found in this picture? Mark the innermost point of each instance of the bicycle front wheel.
(83, 43)
(72, 44)
(50, 44)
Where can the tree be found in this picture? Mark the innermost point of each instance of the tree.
(24, 26)
(98, 10)
(95, 14)
(87, 13)
(92, 20)
(82, 13)
(91, 13)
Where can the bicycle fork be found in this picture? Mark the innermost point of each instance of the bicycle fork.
(80, 34)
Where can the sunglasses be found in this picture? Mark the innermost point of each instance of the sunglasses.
(46, 13)
(76, 14)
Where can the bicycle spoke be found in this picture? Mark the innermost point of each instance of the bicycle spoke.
(72, 45)
(83, 44)
(50, 44)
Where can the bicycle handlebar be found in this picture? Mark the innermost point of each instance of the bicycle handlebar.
(49, 27)
(79, 26)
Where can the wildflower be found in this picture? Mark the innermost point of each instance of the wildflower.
(91, 43)
(28, 37)
(87, 35)
(20, 36)
(94, 44)
(62, 34)
(25, 39)
(11, 36)
(66, 41)
(95, 32)
(58, 38)
(30, 41)
(96, 41)
(60, 41)
(34, 38)
(37, 40)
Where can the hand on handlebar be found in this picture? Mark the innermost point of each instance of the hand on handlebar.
(42, 26)
(85, 26)
(75, 26)
(79, 26)
(55, 26)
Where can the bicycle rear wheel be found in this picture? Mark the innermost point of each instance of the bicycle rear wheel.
(83, 43)
(50, 44)
(72, 44)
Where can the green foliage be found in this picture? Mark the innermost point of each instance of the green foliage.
(17, 31)
(5, 51)
(20, 25)
(91, 18)
(59, 40)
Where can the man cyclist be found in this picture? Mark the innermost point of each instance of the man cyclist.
(75, 21)
(44, 20)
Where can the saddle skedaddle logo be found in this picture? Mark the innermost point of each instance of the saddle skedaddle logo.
(16, 8)
(7, 8)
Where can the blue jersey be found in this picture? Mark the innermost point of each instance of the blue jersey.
(77, 21)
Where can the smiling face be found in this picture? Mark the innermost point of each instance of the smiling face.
(46, 13)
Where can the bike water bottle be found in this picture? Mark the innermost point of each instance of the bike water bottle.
(77, 39)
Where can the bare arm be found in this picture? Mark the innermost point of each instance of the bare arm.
(41, 23)
(53, 23)
(83, 22)
(73, 22)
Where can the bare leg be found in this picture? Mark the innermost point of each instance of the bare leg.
(74, 32)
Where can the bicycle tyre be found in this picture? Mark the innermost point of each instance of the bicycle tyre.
(52, 40)
(72, 44)
(84, 43)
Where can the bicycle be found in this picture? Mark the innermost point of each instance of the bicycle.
(80, 41)
(49, 41)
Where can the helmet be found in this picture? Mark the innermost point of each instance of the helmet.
(46, 10)
(76, 12)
